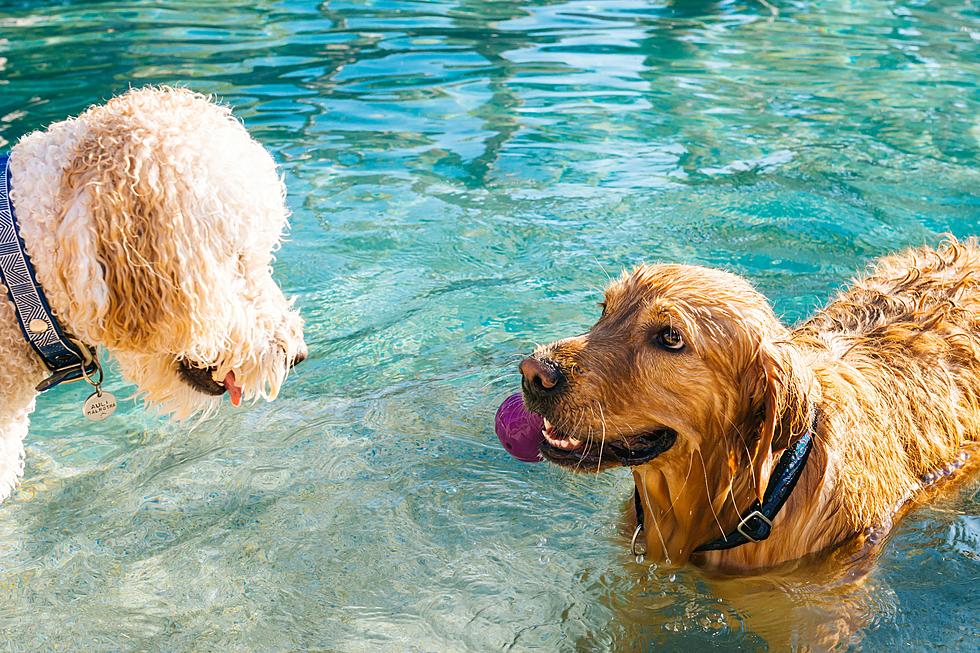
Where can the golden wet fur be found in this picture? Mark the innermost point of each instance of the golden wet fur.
(890, 369)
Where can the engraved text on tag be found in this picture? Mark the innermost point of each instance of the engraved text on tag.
(99, 405)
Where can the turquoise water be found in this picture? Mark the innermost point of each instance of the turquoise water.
(464, 177)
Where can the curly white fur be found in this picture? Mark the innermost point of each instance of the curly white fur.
(151, 222)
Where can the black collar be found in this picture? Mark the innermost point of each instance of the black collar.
(67, 360)
(757, 523)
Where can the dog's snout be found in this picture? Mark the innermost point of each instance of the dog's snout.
(298, 358)
(541, 377)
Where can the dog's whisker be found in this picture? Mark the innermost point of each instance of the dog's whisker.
(586, 436)
(677, 494)
(588, 443)
(741, 437)
(731, 494)
(601, 267)
(601, 444)
(585, 450)
(656, 524)
(496, 379)
(707, 489)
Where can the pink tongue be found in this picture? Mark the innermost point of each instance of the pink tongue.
(234, 391)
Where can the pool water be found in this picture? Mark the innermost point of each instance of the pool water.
(464, 178)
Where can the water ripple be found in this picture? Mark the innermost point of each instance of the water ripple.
(464, 176)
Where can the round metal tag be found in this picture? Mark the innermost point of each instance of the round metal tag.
(99, 405)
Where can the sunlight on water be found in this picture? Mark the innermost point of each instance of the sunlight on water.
(464, 176)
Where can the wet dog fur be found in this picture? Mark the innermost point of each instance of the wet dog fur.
(890, 370)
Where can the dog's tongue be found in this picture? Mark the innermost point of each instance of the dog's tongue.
(234, 391)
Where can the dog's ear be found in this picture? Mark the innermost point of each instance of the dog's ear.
(124, 187)
(783, 403)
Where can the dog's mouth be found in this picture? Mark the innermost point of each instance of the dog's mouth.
(202, 379)
(572, 451)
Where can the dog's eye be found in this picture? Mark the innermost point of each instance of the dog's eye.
(670, 339)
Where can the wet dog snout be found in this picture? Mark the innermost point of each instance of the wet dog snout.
(298, 358)
(541, 377)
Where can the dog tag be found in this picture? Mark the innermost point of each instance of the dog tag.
(99, 405)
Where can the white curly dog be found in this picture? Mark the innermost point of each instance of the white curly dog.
(151, 222)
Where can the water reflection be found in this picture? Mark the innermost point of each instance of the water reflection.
(464, 175)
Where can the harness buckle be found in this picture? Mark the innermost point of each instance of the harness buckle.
(741, 528)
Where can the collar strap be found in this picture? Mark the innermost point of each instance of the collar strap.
(757, 523)
(66, 360)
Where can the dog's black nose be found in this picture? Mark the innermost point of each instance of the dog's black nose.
(298, 358)
(541, 377)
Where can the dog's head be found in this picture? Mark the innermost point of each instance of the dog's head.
(165, 222)
(683, 359)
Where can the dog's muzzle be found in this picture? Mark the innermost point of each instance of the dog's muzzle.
(200, 378)
(629, 451)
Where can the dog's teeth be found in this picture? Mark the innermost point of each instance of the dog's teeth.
(567, 444)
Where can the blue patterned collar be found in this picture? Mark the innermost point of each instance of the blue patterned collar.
(66, 359)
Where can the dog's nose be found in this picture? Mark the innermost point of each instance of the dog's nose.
(540, 377)
(298, 358)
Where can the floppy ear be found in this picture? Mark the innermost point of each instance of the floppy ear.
(121, 222)
(784, 405)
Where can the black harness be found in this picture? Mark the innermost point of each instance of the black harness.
(756, 526)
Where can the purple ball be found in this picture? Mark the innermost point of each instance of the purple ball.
(519, 429)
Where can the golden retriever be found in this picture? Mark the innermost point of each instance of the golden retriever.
(689, 378)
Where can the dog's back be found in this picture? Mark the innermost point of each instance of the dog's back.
(920, 288)
(898, 354)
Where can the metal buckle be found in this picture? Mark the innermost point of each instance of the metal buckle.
(741, 525)
(83, 370)
(62, 374)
